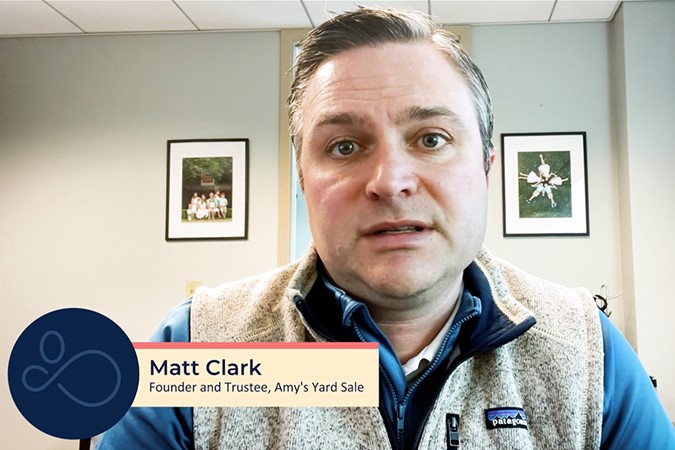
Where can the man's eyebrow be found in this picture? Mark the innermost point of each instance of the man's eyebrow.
(417, 113)
(411, 114)
(345, 118)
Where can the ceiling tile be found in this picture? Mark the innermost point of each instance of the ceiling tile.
(237, 15)
(567, 10)
(124, 16)
(29, 17)
(459, 12)
(34, 17)
(322, 10)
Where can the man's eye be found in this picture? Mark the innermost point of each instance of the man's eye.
(433, 140)
(344, 148)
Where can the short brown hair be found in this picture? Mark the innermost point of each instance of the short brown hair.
(373, 27)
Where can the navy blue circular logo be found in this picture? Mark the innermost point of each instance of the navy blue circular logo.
(73, 373)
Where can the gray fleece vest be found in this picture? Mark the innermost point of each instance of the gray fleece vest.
(554, 371)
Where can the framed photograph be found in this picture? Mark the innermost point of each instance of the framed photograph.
(207, 189)
(545, 184)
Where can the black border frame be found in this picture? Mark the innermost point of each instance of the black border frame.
(585, 161)
(246, 187)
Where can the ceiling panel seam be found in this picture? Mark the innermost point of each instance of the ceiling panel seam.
(186, 15)
(64, 16)
(550, 16)
(309, 17)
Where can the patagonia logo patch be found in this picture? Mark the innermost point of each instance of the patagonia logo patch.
(505, 418)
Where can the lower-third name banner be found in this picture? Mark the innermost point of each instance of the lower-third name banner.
(288, 374)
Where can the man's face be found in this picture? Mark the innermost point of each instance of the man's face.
(393, 169)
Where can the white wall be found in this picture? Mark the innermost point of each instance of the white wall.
(554, 78)
(643, 37)
(83, 128)
(614, 81)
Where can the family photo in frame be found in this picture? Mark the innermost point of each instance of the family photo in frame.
(207, 189)
(545, 186)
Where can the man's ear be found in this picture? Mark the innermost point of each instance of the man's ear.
(490, 160)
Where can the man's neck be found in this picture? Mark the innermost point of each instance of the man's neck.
(410, 336)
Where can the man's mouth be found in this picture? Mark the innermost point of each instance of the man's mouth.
(399, 230)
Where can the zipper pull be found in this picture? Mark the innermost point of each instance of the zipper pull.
(452, 423)
(400, 418)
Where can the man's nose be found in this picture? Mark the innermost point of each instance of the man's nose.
(392, 174)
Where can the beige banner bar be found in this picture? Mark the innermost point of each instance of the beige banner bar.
(278, 376)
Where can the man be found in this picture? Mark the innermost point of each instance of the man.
(393, 123)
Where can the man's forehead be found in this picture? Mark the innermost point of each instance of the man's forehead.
(387, 69)
(412, 81)
(408, 55)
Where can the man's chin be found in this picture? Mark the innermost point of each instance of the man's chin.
(410, 283)
(402, 287)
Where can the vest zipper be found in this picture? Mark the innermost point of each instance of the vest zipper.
(400, 406)
(400, 417)
(452, 426)
(453, 366)
(452, 329)
(400, 420)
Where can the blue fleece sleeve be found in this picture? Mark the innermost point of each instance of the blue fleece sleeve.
(156, 428)
(633, 416)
